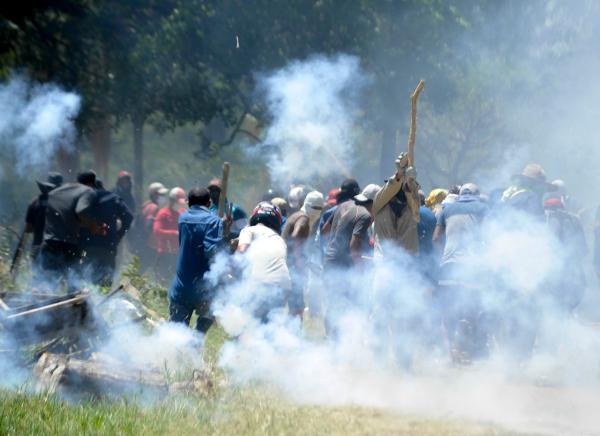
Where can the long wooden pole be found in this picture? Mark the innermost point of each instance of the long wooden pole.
(413, 122)
(223, 194)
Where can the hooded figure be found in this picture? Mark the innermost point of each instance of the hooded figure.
(124, 188)
(298, 232)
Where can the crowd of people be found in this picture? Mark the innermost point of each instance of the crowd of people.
(302, 252)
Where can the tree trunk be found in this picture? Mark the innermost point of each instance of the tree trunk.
(138, 159)
(100, 139)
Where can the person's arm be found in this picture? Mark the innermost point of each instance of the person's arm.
(244, 240)
(29, 218)
(213, 238)
(125, 216)
(437, 233)
(301, 229)
(359, 237)
(385, 194)
(440, 228)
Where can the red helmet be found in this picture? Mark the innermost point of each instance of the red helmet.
(267, 214)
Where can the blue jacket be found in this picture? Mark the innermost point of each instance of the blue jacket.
(200, 234)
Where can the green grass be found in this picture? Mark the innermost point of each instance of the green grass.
(233, 412)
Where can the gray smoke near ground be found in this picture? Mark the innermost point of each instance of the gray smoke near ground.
(37, 120)
(389, 312)
(313, 105)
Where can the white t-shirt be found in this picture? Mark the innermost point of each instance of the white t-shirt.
(266, 254)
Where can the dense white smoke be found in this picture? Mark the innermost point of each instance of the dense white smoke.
(313, 105)
(37, 120)
(390, 313)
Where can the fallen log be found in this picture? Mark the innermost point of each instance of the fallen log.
(103, 375)
(59, 373)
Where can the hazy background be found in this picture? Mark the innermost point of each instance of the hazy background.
(170, 89)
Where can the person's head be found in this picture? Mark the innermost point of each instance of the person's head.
(124, 181)
(281, 204)
(533, 177)
(53, 181)
(156, 191)
(560, 187)
(313, 206)
(214, 189)
(87, 178)
(99, 184)
(469, 191)
(198, 197)
(176, 198)
(332, 196)
(266, 214)
(435, 197)
(348, 190)
(296, 197)
(367, 196)
(454, 189)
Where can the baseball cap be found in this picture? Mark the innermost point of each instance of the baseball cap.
(368, 194)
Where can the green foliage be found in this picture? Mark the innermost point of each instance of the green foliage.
(154, 295)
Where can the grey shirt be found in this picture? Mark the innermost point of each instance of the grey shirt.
(64, 206)
(348, 219)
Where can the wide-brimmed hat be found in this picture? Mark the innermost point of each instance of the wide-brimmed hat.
(53, 181)
(534, 173)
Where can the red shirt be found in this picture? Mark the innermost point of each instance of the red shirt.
(165, 230)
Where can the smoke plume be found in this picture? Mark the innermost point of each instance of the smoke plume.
(37, 121)
(313, 105)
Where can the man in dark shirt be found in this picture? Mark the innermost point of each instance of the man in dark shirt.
(36, 211)
(100, 251)
(67, 211)
(124, 190)
(200, 235)
(347, 231)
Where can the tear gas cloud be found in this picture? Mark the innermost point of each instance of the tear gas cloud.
(389, 316)
(313, 105)
(37, 120)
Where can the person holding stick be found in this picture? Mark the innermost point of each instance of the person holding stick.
(201, 234)
(238, 215)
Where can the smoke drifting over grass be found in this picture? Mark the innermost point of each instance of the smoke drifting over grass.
(313, 106)
(37, 120)
(389, 319)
